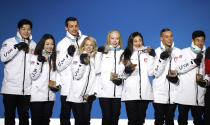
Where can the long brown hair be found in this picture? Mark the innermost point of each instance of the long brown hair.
(40, 47)
(129, 49)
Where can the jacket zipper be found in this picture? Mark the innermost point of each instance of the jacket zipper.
(139, 75)
(197, 96)
(169, 84)
(49, 81)
(24, 72)
(115, 71)
(87, 80)
(77, 42)
(197, 88)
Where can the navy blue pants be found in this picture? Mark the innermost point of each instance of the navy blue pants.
(164, 113)
(110, 108)
(82, 113)
(41, 112)
(207, 107)
(65, 113)
(196, 111)
(136, 111)
(11, 102)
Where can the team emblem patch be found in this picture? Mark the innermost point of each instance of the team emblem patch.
(32, 62)
(4, 45)
(145, 59)
(175, 59)
(74, 62)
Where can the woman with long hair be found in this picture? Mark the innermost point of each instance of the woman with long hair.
(43, 72)
(137, 65)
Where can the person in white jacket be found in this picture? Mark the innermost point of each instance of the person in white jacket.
(15, 54)
(164, 85)
(65, 51)
(43, 71)
(81, 90)
(137, 90)
(109, 91)
(191, 90)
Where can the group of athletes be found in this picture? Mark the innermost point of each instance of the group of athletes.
(82, 72)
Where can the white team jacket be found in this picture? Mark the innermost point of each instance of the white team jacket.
(63, 61)
(40, 91)
(15, 64)
(164, 91)
(189, 92)
(105, 64)
(137, 85)
(83, 81)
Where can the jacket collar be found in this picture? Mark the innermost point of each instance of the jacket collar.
(73, 38)
(196, 49)
(163, 48)
(143, 48)
(19, 38)
(111, 48)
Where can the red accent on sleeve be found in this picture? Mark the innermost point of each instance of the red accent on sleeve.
(207, 66)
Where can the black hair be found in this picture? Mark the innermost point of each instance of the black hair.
(40, 47)
(164, 30)
(70, 19)
(198, 33)
(129, 49)
(24, 22)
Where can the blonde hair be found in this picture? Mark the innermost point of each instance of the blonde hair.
(108, 38)
(90, 38)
